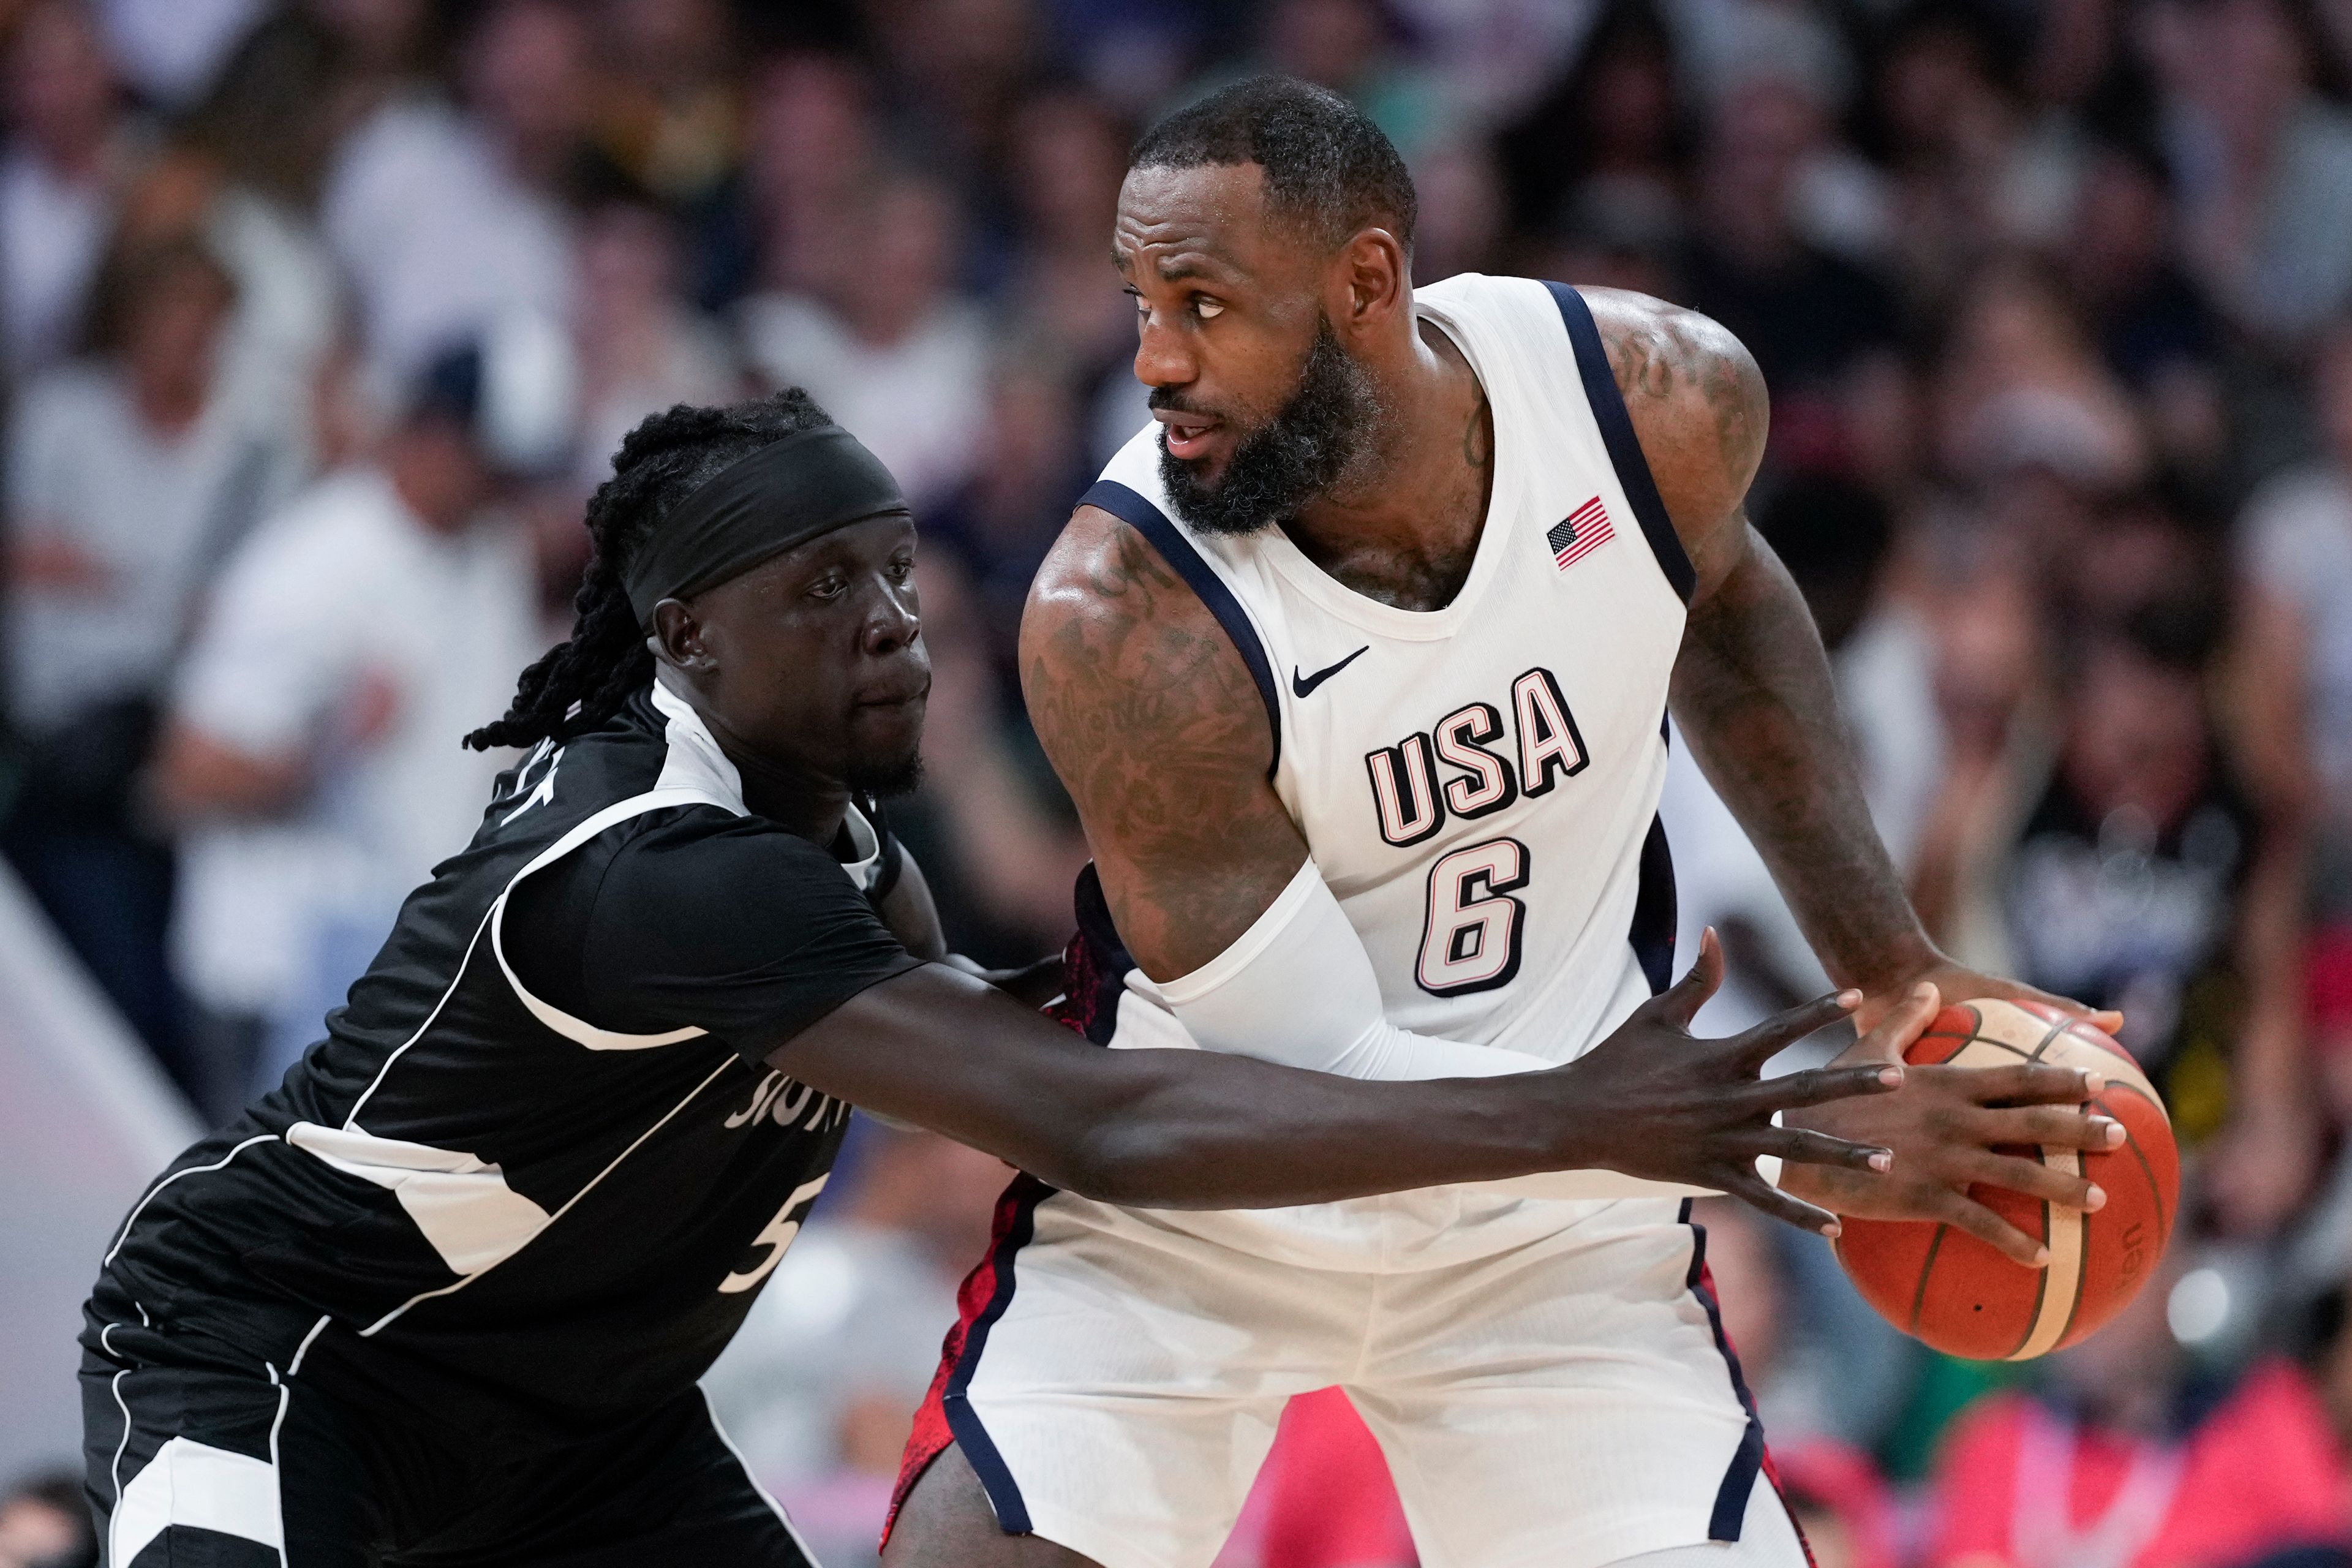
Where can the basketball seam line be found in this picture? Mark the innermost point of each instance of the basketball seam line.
(1926, 1269)
(2055, 1030)
(2041, 1289)
(2155, 1190)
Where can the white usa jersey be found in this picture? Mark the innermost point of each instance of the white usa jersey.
(1478, 784)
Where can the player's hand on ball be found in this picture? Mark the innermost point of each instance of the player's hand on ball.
(1654, 1101)
(1952, 1128)
(1956, 982)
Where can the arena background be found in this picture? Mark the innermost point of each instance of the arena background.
(2052, 296)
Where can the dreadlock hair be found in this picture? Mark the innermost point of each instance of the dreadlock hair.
(582, 682)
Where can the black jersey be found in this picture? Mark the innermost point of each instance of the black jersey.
(537, 1172)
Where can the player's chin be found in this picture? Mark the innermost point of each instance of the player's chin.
(886, 752)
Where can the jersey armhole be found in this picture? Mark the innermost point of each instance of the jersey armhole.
(1625, 448)
(1133, 509)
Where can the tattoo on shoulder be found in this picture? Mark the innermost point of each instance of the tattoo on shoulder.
(1699, 405)
(1477, 439)
(1130, 567)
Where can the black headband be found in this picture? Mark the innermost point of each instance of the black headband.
(759, 506)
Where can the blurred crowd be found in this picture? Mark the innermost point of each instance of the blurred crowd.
(320, 319)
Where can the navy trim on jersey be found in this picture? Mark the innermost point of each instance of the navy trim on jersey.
(1739, 1480)
(1101, 961)
(1652, 931)
(979, 1448)
(1624, 447)
(1149, 520)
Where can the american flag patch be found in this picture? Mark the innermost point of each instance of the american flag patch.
(1583, 531)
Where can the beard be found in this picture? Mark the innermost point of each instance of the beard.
(1293, 458)
(885, 778)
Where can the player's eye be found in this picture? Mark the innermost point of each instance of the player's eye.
(902, 569)
(832, 585)
(1208, 310)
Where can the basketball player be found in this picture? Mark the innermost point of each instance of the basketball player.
(1357, 664)
(443, 1296)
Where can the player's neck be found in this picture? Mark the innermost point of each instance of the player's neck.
(812, 808)
(1402, 524)
(778, 789)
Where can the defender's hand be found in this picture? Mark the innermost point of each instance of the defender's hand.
(1944, 1126)
(1653, 1102)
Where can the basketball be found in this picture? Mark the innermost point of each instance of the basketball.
(1956, 1293)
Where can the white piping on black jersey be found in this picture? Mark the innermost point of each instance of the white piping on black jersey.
(141, 1207)
(694, 772)
(389, 1318)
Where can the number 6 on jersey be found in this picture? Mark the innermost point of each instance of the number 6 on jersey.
(1470, 941)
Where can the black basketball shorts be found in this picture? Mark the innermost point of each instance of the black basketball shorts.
(200, 1456)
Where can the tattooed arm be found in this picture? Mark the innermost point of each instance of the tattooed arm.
(1752, 698)
(1158, 733)
(1152, 720)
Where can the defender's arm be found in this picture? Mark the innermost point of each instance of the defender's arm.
(1178, 1129)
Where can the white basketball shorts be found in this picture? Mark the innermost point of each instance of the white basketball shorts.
(1567, 1402)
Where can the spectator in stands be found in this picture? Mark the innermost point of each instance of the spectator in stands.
(2265, 160)
(1817, 325)
(2151, 322)
(812, 157)
(669, 110)
(2021, 385)
(129, 474)
(446, 221)
(641, 346)
(65, 156)
(2129, 1460)
(1617, 119)
(2295, 535)
(311, 755)
(1068, 157)
(998, 526)
(890, 350)
(2147, 878)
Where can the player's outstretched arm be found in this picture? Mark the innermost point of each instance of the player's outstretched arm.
(1753, 698)
(1181, 1129)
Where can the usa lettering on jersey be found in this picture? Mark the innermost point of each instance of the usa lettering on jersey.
(1544, 747)
(1472, 931)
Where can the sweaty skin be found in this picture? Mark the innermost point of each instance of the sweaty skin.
(1153, 722)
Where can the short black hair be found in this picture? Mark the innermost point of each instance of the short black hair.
(1329, 169)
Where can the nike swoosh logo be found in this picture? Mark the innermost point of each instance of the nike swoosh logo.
(1302, 685)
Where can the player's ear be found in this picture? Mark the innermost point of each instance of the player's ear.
(1378, 274)
(677, 640)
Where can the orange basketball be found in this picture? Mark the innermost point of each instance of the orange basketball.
(1956, 1293)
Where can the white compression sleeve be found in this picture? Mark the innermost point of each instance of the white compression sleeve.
(1298, 989)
